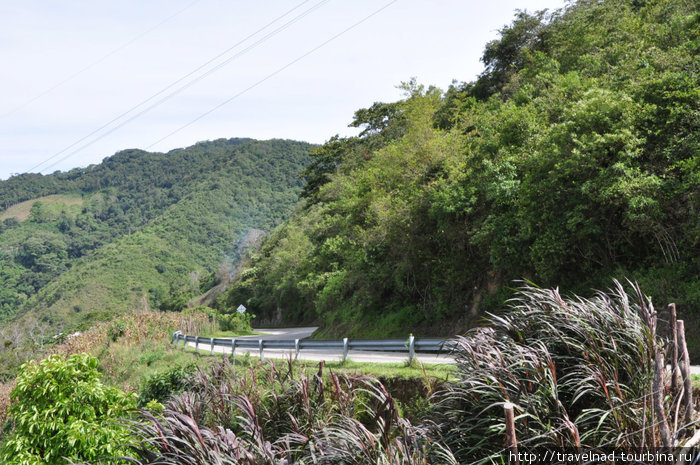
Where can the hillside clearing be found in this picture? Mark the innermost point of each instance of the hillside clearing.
(55, 203)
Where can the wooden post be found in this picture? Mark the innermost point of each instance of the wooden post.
(658, 386)
(511, 438)
(685, 372)
(675, 384)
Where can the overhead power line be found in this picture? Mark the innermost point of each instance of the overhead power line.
(98, 61)
(184, 86)
(279, 70)
(175, 83)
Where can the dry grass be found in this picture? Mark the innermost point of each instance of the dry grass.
(5, 390)
(21, 210)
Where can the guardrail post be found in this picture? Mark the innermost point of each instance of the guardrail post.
(296, 349)
(184, 341)
(233, 348)
(212, 346)
(196, 344)
(345, 349)
(176, 336)
(411, 348)
(260, 345)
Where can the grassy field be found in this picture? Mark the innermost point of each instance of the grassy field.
(53, 204)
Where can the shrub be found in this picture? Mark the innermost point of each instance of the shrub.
(160, 386)
(235, 321)
(63, 411)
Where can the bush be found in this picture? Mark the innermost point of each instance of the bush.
(160, 386)
(235, 321)
(63, 411)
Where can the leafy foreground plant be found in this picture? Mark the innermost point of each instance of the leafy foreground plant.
(62, 412)
(227, 419)
(578, 371)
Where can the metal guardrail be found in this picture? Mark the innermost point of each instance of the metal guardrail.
(411, 345)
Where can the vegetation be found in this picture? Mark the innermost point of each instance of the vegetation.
(573, 158)
(235, 420)
(579, 372)
(64, 412)
(166, 215)
(132, 233)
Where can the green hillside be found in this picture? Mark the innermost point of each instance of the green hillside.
(121, 235)
(572, 159)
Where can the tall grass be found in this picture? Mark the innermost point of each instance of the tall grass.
(282, 419)
(579, 372)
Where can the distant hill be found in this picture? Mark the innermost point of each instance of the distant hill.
(80, 246)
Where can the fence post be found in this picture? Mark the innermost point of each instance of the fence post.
(345, 349)
(296, 349)
(211, 339)
(511, 437)
(675, 384)
(196, 344)
(658, 398)
(685, 372)
(260, 345)
(411, 348)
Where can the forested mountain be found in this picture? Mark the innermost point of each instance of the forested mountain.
(572, 159)
(80, 246)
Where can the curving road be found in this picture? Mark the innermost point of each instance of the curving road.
(317, 355)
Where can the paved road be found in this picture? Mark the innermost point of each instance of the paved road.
(318, 355)
(281, 334)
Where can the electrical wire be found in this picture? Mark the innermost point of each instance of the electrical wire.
(183, 87)
(98, 61)
(279, 70)
(170, 86)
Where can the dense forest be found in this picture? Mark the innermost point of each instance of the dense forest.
(86, 245)
(573, 158)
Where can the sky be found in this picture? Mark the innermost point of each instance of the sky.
(84, 79)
